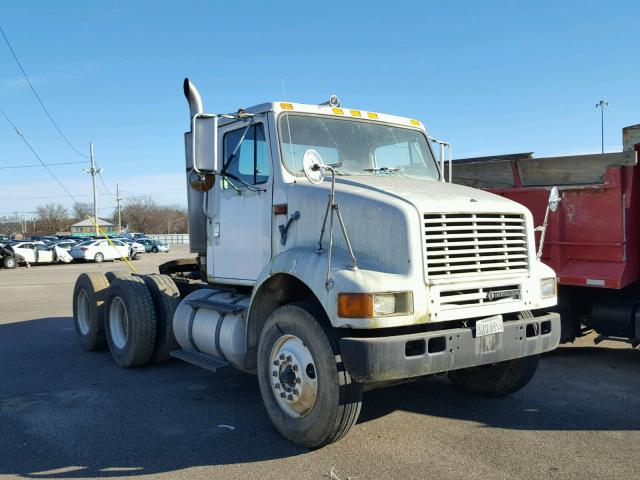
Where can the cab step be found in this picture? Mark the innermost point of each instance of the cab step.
(200, 359)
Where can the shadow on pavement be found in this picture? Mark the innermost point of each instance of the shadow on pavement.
(69, 413)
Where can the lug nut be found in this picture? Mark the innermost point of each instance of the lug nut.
(296, 392)
(276, 362)
(298, 380)
(295, 367)
(282, 356)
(283, 395)
(274, 373)
(289, 397)
(288, 358)
(277, 386)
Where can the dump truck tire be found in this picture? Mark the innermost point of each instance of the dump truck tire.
(111, 276)
(130, 322)
(496, 380)
(89, 297)
(309, 396)
(166, 297)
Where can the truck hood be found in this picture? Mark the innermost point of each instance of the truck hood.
(431, 196)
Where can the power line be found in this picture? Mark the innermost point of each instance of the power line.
(36, 155)
(38, 96)
(39, 165)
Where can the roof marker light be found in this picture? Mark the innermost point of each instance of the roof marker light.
(372, 115)
(286, 106)
(337, 111)
(355, 113)
(414, 122)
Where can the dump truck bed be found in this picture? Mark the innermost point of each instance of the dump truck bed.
(593, 239)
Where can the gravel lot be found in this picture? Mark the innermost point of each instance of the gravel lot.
(66, 413)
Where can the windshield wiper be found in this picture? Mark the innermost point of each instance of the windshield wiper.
(383, 169)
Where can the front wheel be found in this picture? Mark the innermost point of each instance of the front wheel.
(498, 379)
(99, 258)
(309, 396)
(154, 250)
(10, 262)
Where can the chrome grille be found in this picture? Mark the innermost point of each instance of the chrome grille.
(468, 244)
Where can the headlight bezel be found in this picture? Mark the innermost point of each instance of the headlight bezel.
(363, 305)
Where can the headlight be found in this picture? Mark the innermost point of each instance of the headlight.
(548, 287)
(368, 305)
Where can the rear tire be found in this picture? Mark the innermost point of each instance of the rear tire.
(130, 322)
(99, 258)
(166, 298)
(10, 262)
(89, 295)
(328, 400)
(497, 380)
(111, 276)
(154, 250)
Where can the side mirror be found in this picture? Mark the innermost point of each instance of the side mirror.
(554, 199)
(204, 143)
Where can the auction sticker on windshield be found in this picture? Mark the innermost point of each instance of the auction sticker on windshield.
(488, 326)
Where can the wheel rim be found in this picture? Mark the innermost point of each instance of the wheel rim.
(118, 322)
(82, 312)
(99, 257)
(293, 376)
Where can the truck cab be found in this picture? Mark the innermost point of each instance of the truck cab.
(333, 257)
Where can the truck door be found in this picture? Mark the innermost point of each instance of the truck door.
(241, 230)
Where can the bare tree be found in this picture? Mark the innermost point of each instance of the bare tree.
(10, 225)
(143, 214)
(52, 218)
(81, 210)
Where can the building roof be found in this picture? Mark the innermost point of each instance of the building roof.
(89, 223)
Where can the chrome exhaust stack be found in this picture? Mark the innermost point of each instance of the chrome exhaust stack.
(196, 199)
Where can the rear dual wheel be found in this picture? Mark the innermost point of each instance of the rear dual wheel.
(89, 297)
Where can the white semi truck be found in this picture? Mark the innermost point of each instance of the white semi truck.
(331, 257)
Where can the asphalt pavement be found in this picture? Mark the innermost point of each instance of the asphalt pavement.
(67, 413)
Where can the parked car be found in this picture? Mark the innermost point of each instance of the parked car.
(100, 250)
(64, 244)
(136, 247)
(154, 246)
(9, 258)
(33, 252)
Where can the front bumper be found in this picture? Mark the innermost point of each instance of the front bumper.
(404, 356)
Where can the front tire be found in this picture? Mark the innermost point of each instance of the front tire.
(10, 262)
(309, 396)
(99, 258)
(497, 380)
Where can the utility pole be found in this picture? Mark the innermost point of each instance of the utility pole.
(118, 200)
(93, 172)
(601, 105)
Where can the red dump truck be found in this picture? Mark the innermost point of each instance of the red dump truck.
(592, 240)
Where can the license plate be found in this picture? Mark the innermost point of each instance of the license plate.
(489, 326)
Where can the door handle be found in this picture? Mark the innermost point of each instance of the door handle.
(216, 230)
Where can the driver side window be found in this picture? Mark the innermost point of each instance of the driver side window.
(251, 163)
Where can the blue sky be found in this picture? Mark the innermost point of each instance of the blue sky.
(490, 77)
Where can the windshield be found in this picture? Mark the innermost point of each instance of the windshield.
(360, 148)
